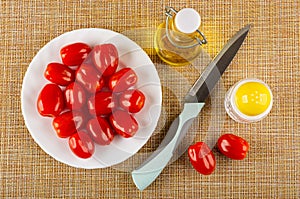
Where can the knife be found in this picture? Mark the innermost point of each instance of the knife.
(150, 169)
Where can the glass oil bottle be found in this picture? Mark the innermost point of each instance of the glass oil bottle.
(178, 41)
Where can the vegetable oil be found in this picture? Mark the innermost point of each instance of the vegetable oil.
(178, 41)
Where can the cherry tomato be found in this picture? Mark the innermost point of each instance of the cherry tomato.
(105, 57)
(101, 104)
(89, 78)
(123, 123)
(202, 158)
(74, 54)
(100, 131)
(122, 80)
(68, 123)
(233, 146)
(75, 96)
(50, 101)
(106, 81)
(132, 100)
(82, 145)
(59, 74)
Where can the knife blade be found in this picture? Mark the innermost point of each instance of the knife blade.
(150, 169)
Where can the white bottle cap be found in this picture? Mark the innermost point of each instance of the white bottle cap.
(187, 20)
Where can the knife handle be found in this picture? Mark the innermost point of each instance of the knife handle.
(144, 175)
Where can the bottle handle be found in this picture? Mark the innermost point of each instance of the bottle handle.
(200, 40)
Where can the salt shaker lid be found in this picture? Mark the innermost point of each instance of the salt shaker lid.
(187, 20)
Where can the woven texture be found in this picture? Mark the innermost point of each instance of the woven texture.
(271, 53)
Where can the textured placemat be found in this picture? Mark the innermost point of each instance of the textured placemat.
(271, 53)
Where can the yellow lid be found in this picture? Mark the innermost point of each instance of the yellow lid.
(253, 98)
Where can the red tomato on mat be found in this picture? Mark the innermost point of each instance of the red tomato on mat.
(202, 158)
(233, 146)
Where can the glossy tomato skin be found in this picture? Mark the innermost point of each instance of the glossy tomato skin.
(59, 74)
(75, 97)
(102, 103)
(68, 123)
(132, 100)
(202, 158)
(89, 78)
(50, 101)
(81, 145)
(74, 54)
(233, 146)
(123, 123)
(100, 131)
(105, 58)
(122, 80)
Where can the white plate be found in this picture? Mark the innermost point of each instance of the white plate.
(120, 149)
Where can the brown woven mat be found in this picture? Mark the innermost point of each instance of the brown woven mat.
(271, 53)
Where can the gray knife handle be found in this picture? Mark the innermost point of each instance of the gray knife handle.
(145, 174)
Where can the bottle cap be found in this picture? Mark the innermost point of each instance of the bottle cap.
(187, 20)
